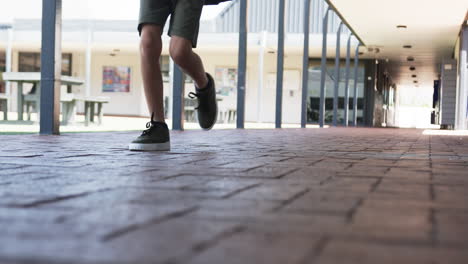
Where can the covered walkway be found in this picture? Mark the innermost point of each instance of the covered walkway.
(333, 195)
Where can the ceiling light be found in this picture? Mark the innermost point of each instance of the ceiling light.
(407, 46)
(410, 58)
(412, 68)
(402, 26)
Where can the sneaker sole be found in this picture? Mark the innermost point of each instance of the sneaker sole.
(150, 147)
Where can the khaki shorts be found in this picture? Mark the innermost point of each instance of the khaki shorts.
(185, 16)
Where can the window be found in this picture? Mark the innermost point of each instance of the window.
(31, 62)
(226, 80)
(313, 102)
(2, 69)
(67, 64)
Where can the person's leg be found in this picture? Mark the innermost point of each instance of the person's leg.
(153, 16)
(182, 53)
(185, 23)
(150, 52)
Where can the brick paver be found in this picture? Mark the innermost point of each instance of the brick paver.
(288, 196)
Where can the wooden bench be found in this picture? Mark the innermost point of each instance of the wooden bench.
(4, 106)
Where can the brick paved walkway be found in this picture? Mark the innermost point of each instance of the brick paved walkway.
(273, 196)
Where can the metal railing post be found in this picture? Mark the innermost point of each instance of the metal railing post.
(348, 62)
(280, 65)
(337, 75)
(51, 67)
(178, 84)
(356, 79)
(305, 64)
(324, 70)
(242, 64)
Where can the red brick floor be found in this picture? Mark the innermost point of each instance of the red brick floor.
(259, 196)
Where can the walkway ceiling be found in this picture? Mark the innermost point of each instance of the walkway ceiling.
(432, 28)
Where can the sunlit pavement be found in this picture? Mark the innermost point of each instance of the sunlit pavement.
(285, 196)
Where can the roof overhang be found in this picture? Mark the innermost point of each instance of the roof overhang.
(432, 29)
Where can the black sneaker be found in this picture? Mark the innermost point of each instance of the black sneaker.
(207, 109)
(154, 138)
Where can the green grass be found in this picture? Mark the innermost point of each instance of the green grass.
(16, 133)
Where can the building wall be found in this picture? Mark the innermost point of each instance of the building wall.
(120, 103)
(218, 49)
(134, 103)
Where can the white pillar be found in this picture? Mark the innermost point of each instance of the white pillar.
(462, 105)
(89, 50)
(261, 73)
(8, 62)
(170, 90)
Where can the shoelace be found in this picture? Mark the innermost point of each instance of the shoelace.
(193, 95)
(149, 125)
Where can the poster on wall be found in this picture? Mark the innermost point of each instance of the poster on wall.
(116, 79)
(226, 80)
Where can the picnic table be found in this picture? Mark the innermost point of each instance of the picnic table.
(68, 100)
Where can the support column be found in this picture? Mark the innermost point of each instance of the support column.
(462, 116)
(170, 93)
(9, 60)
(51, 64)
(356, 78)
(305, 64)
(177, 98)
(261, 73)
(242, 64)
(89, 41)
(323, 75)
(348, 62)
(337, 75)
(280, 65)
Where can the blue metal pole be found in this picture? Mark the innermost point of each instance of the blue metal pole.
(305, 63)
(242, 64)
(280, 64)
(51, 67)
(356, 79)
(178, 84)
(337, 74)
(348, 62)
(324, 70)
